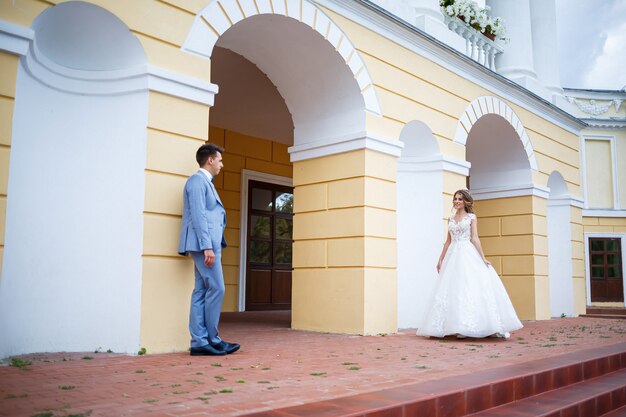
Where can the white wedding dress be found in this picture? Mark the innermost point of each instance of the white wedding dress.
(469, 298)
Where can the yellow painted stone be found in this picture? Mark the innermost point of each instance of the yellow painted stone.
(178, 116)
(542, 297)
(591, 221)
(230, 256)
(580, 296)
(329, 224)
(576, 231)
(21, 12)
(250, 146)
(489, 226)
(380, 165)
(167, 152)
(559, 151)
(230, 199)
(339, 290)
(232, 181)
(269, 167)
(521, 290)
(508, 245)
(384, 126)
(380, 193)
(6, 120)
(496, 262)
(380, 301)
(164, 193)
(517, 225)
(329, 168)
(357, 251)
(380, 223)
(232, 162)
(578, 267)
(8, 69)
(4, 169)
(612, 221)
(310, 198)
(598, 229)
(309, 253)
(230, 303)
(3, 216)
(232, 235)
(504, 206)
(523, 265)
(160, 234)
(217, 135)
(231, 274)
(280, 153)
(346, 193)
(233, 218)
(173, 58)
(165, 296)
(578, 250)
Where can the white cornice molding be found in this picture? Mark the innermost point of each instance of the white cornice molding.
(595, 94)
(510, 191)
(604, 213)
(14, 38)
(374, 18)
(348, 143)
(434, 163)
(605, 123)
(130, 80)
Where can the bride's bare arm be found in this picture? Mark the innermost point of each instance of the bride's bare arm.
(476, 240)
(443, 251)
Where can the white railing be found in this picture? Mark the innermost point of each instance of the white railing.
(478, 47)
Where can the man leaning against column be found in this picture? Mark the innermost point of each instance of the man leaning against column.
(202, 237)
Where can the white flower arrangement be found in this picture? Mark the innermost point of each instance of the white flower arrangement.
(474, 16)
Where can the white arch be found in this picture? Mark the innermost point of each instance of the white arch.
(219, 15)
(419, 202)
(493, 105)
(560, 247)
(82, 157)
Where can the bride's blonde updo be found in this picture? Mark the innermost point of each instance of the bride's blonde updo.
(468, 200)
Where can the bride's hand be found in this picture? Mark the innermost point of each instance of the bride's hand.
(487, 263)
(438, 267)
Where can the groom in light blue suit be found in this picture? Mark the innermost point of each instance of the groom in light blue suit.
(202, 237)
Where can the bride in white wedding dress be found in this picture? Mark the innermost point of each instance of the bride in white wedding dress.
(469, 299)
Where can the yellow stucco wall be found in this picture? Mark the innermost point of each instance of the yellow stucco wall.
(8, 69)
(344, 244)
(168, 277)
(513, 233)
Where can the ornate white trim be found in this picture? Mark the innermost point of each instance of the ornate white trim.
(434, 163)
(611, 123)
(247, 175)
(356, 141)
(591, 107)
(477, 46)
(219, 15)
(493, 105)
(15, 38)
(515, 191)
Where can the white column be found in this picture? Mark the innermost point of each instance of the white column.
(516, 63)
(545, 46)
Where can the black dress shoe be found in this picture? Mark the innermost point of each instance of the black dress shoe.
(227, 347)
(207, 350)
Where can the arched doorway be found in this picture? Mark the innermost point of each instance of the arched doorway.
(326, 89)
(72, 260)
(510, 207)
(560, 248)
(420, 181)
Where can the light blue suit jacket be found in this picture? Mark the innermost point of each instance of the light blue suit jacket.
(204, 217)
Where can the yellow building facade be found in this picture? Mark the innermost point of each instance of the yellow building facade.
(367, 123)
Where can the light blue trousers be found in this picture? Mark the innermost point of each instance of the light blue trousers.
(206, 300)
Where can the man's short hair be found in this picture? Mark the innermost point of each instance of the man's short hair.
(207, 150)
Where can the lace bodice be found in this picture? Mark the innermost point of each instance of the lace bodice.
(461, 230)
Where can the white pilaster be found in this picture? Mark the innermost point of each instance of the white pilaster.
(545, 50)
(517, 62)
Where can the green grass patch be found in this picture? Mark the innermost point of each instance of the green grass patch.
(18, 363)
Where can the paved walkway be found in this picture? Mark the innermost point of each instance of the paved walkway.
(276, 367)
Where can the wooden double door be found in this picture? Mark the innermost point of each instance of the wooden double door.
(269, 246)
(606, 269)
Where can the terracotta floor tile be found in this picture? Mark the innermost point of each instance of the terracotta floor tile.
(278, 367)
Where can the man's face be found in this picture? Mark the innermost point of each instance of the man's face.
(214, 164)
